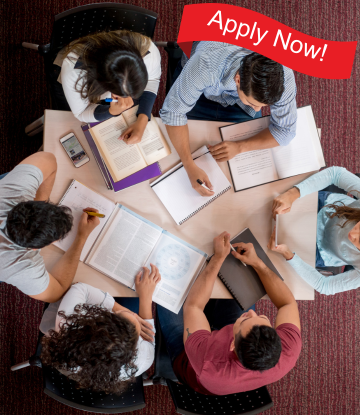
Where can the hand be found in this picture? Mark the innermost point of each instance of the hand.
(224, 151)
(146, 331)
(282, 204)
(222, 246)
(247, 254)
(123, 104)
(87, 223)
(195, 173)
(280, 249)
(134, 133)
(146, 281)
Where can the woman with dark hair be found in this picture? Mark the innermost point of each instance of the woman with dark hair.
(122, 65)
(96, 341)
(338, 230)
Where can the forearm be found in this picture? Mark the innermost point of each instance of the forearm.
(259, 141)
(117, 307)
(278, 292)
(145, 308)
(179, 136)
(201, 290)
(65, 269)
(44, 191)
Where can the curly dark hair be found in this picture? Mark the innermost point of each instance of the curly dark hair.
(36, 224)
(261, 78)
(94, 344)
(260, 349)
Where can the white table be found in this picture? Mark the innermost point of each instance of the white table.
(231, 212)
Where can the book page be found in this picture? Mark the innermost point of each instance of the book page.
(299, 156)
(121, 159)
(77, 198)
(153, 145)
(179, 263)
(125, 246)
(254, 167)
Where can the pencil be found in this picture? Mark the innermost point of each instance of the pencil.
(236, 251)
(90, 213)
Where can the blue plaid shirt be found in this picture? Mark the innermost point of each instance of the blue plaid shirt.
(211, 70)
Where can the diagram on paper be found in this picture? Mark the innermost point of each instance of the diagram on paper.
(173, 262)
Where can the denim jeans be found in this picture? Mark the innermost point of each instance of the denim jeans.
(132, 303)
(219, 313)
(207, 110)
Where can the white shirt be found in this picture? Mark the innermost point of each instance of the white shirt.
(82, 109)
(81, 293)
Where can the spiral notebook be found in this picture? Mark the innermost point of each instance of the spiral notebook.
(176, 193)
(243, 282)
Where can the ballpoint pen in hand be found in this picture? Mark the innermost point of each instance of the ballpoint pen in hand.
(236, 251)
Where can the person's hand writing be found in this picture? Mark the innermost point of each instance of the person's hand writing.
(123, 104)
(225, 150)
(246, 253)
(134, 133)
(281, 249)
(282, 204)
(146, 281)
(222, 246)
(195, 173)
(87, 223)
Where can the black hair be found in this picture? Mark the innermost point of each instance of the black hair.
(261, 78)
(36, 224)
(260, 349)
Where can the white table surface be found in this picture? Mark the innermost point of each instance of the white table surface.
(231, 212)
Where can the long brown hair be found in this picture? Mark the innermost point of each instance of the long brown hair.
(342, 211)
(112, 61)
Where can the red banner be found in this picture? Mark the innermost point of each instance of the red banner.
(261, 34)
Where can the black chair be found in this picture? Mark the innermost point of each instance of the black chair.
(64, 390)
(81, 21)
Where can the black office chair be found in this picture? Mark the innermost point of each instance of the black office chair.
(189, 402)
(64, 390)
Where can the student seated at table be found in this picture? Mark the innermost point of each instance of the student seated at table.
(338, 230)
(122, 65)
(226, 349)
(28, 222)
(223, 82)
(92, 338)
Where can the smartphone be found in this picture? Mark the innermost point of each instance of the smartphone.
(74, 150)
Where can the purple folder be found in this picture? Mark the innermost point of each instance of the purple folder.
(147, 173)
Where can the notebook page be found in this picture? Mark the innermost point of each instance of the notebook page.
(179, 264)
(125, 246)
(77, 198)
(299, 156)
(254, 167)
(178, 196)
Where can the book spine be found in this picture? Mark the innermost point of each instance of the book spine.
(229, 288)
(204, 205)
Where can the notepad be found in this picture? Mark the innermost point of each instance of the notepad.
(176, 193)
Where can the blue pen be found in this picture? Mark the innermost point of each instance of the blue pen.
(110, 100)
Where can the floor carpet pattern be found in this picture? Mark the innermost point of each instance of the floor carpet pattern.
(326, 379)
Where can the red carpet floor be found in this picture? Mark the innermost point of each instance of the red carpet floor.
(326, 378)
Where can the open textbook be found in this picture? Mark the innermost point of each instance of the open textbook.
(254, 168)
(124, 242)
(121, 159)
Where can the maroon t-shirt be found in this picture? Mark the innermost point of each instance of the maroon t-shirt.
(208, 366)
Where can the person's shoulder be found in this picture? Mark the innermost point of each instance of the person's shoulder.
(290, 336)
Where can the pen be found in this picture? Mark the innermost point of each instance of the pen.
(236, 251)
(203, 185)
(90, 213)
(110, 100)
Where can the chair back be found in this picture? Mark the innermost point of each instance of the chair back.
(84, 20)
(64, 390)
(188, 402)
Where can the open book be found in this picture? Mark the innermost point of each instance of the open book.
(124, 242)
(254, 168)
(121, 159)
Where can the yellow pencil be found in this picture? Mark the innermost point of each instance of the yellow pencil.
(99, 215)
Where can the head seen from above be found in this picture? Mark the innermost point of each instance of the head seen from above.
(36, 224)
(112, 61)
(259, 81)
(99, 348)
(256, 343)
